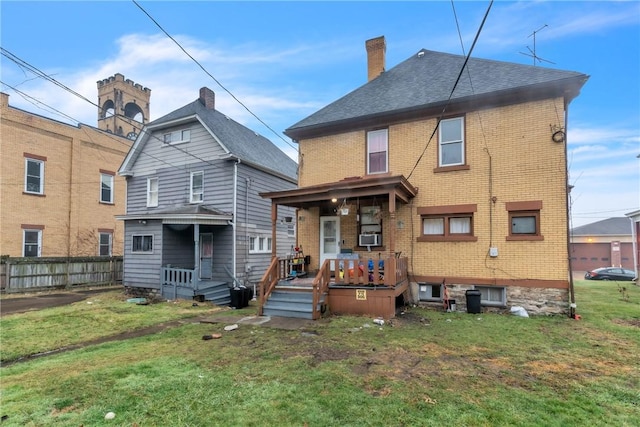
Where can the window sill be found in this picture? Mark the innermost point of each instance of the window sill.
(26, 193)
(377, 248)
(106, 203)
(447, 239)
(451, 168)
(524, 238)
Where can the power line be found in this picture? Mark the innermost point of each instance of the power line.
(23, 64)
(452, 90)
(210, 75)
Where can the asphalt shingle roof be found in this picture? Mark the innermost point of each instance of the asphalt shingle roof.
(426, 79)
(610, 226)
(241, 141)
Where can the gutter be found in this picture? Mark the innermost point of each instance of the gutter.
(235, 215)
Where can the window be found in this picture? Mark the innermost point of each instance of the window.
(291, 230)
(106, 187)
(177, 137)
(197, 187)
(104, 243)
(259, 244)
(152, 192)
(451, 142)
(32, 242)
(492, 295)
(34, 176)
(430, 292)
(142, 244)
(524, 220)
(447, 223)
(377, 145)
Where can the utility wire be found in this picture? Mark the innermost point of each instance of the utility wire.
(452, 90)
(110, 135)
(23, 64)
(210, 75)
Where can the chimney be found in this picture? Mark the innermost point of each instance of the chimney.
(376, 49)
(208, 98)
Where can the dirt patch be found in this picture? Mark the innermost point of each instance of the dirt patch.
(627, 322)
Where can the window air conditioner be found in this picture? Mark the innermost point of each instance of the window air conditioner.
(369, 240)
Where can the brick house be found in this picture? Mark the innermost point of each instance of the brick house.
(465, 188)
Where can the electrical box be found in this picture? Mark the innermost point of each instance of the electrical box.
(493, 252)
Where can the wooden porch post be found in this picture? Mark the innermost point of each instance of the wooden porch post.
(392, 223)
(196, 249)
(274, 220)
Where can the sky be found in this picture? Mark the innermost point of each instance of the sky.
(271, 64)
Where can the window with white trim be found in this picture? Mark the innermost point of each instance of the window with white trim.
(377, 151)
(451, 142)
(492, 295)
(259, 244)
(177, 137)
(152, 192)
(105, 244)
(142, 243)
(33, 176)
(106, 188)
(31, 243)
(197, 187)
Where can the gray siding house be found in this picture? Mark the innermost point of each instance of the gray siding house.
(195, 224)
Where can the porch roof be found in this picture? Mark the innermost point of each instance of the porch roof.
(346, 188)
(192, 214)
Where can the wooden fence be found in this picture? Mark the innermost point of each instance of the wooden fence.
(35, 274)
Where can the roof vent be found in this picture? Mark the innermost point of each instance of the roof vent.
(420, 54)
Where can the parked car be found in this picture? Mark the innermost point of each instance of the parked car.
(610, 273)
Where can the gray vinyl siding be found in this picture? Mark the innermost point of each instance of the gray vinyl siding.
(174, 179)
(142, 269)
(254, 219)
(172, 165)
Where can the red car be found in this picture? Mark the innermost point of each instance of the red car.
(610, 273)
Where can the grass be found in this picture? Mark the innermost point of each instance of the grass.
(427, 368)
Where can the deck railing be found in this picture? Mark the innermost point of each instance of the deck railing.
(393, 271)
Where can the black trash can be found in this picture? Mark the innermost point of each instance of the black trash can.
(238, 297)
(473, 301)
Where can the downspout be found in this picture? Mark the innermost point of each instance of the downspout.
(634, 245)
(572, 296)
(235, 215)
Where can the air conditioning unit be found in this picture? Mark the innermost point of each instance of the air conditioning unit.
(370, 240)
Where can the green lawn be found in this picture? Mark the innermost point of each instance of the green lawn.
(426, 368)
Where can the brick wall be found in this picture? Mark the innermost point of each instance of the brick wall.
(69, 210)
(511, 157)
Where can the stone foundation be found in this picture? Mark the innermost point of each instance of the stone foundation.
(537, 301)
(153, 295)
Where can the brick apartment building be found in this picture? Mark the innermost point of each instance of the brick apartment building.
(59, 191)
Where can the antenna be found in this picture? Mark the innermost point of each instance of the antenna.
(532, 53)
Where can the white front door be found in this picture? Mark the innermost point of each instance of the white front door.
(329, 238)
(206, 255)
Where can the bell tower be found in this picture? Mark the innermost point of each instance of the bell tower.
(124, 106)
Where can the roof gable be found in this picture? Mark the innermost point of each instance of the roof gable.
(239, 141)
(426, 79)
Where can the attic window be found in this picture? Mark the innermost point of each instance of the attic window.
(177, 137)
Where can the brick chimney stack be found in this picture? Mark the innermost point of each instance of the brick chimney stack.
(208, 98)
(376, 50)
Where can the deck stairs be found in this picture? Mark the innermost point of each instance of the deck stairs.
(287, 300)
(216, 292)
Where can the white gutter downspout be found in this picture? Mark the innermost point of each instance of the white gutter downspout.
(634, 242)
(235, 215)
